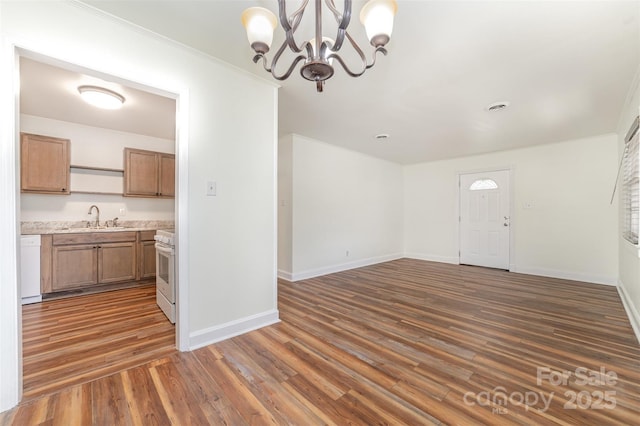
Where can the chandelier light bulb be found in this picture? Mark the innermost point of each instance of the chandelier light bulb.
(259, 23)
(377, 18)
(329, 41)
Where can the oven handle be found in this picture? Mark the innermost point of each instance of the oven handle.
(164, 249)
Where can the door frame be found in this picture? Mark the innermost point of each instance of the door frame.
(512, 215)
(11, 51)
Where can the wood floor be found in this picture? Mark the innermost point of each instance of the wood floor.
(75, 340)
(403, 342)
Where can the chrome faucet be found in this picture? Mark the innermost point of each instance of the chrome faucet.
(97, 215)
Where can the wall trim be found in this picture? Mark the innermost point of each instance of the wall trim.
(454, 260)
(312, 273)
(10, 289)
(632, 313)
(285, 275)
(565, 275)
(201, 338)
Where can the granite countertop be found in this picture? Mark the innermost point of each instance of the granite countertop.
(58, 227)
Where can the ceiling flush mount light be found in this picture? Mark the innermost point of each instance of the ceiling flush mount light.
(497, 106)
(318, 53)
(101, 97)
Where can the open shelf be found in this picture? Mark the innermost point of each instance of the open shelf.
(99, 169)
(97, 193)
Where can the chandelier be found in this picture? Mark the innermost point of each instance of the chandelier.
(318, 53)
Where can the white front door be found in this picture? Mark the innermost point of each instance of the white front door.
(484, 219)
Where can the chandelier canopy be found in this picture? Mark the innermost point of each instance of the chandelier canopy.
(320, 52)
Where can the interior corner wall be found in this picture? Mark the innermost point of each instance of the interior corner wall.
(568, 228)
(346, 209)
(227, 133)
(629, 262)
(285, 200)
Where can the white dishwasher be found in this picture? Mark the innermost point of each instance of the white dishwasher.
(30, 268)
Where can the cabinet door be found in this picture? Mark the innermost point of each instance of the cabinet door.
(116, 262)
(147, 261)
(140, 173)
(44, 164)
(74, 266)
(167, 179)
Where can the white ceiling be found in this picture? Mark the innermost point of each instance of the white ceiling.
(51, 90)
(565, 68)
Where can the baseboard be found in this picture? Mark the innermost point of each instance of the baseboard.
(632, 312)
(230, 329)
(32, 299)
(344, 267)
(565, 275)
(433, 258)
(285, 275)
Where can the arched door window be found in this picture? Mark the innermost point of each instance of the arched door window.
(483, 184)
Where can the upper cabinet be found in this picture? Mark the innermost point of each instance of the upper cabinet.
(148, 173)
(167, 179)
(44, 164)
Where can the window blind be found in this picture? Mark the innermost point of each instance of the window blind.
(631, 185)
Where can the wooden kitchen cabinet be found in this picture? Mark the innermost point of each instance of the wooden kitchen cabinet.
(74, 266)
(44, 164)
(167, 178)
(88, 259)
(146, 255)
(116, 262)
(148, 173)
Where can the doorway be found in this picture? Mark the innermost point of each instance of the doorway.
(485, 219)
(101, 185)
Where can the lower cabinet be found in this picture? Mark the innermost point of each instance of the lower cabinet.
(116, 262)
(74, 266)
(87, 259)
(146, 255)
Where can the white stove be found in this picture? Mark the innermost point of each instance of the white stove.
(165, 273)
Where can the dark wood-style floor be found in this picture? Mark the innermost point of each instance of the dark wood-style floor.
(75, 340)
(403, 342)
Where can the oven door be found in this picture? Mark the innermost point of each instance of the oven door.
(164, 271)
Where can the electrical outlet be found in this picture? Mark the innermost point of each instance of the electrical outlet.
(123, 211)
(347, 253)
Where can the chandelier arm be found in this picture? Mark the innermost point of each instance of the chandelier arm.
(364, 62)
(296, 16)
(289, 25)
(289, 71)
(264, 61)
(342, 20)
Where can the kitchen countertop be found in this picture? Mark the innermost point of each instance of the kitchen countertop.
(57, 227)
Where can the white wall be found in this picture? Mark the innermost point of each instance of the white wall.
(571, 229)
(629, 254)
(285, 210)
(343, 201)
(227, 123)
(97, 147)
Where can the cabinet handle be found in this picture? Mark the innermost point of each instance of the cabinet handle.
(63, 189)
